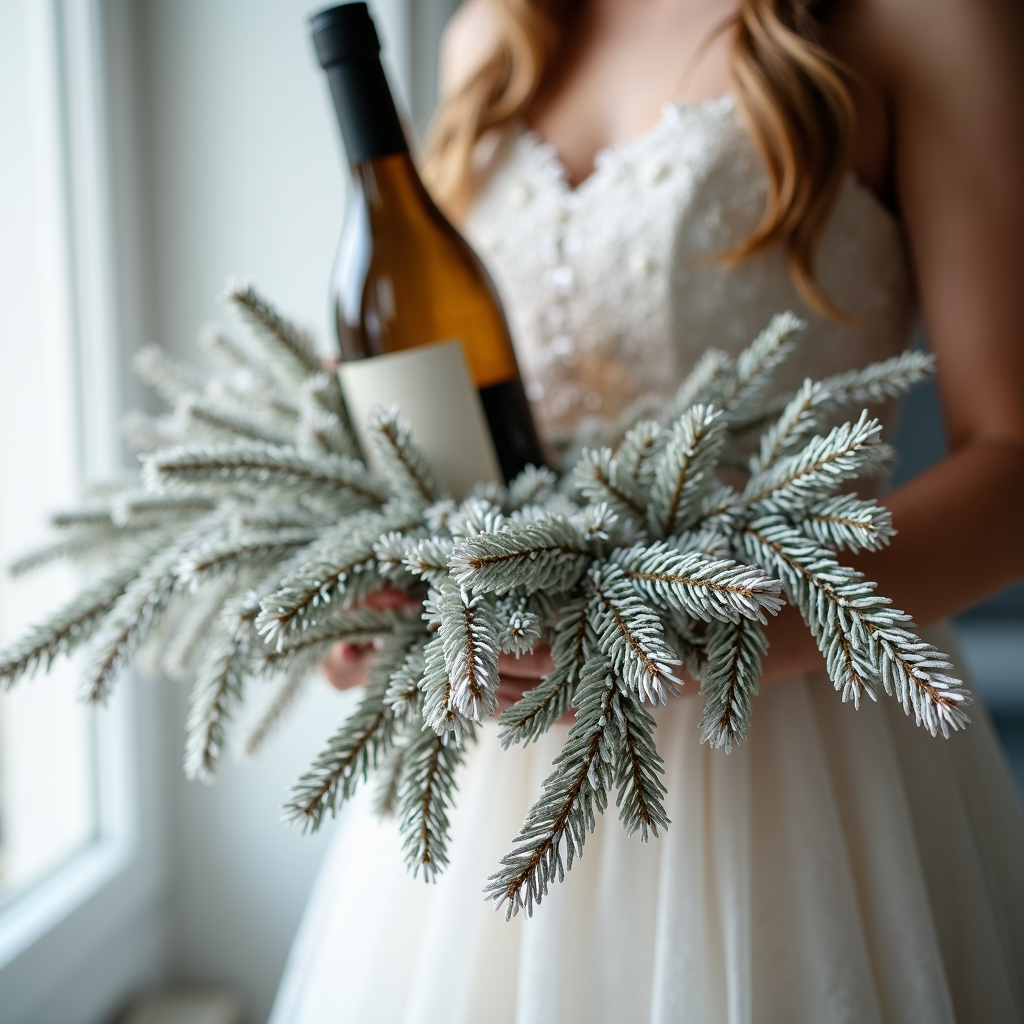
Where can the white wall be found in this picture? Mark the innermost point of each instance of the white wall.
(236, 169)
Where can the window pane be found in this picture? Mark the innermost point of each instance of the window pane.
(47, 808)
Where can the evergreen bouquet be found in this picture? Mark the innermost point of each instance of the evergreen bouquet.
(257, 533)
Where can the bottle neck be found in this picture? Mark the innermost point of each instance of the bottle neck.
(366, 111)
(391, 185)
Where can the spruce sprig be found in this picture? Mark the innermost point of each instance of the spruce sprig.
(646, 567)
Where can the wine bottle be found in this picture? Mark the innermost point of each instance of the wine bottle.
(405, 277)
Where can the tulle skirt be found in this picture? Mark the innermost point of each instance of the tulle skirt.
(841, 866)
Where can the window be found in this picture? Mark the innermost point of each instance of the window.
(80, 866)
(46, 739)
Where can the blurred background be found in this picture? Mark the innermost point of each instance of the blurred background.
(150, 149)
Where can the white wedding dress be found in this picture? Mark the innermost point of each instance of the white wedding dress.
(842, 865)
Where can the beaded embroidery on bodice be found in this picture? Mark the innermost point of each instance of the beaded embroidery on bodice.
(612, 289)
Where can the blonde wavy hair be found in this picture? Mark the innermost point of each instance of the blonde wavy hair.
(793, 95)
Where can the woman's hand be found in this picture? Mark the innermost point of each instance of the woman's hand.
(792, 650)
(523, 673)
(347, 663)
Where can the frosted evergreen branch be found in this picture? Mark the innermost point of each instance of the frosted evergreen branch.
(688, 640)
(255, 516)
(144, 511)
(356, 748)
(132, 617)
(879, 382)
(596, 523)
(426, 792)
(636, 454)
(229, 352)
(538, 709)
(825, 463)
(385, 799)
(323, 433)
(914, 672)
(339, 568)
(641, 792)
(549, 553)
(171, 380)
(286, 348)
(865, 640)
(75, 519)
(684, 471)
(218, 688)
(196, 623)
(390, 549)
(282, 697)
(827, 595)
(470, 644)
(233, 554)
(803, 413)
(324, 391)
(798, 421)
(145, 433)
(849, 524)
(404, 466)
(729, 680)
(756, 366)
(427, 557)
(285, 501)
(490, 492)
(704, 587)
(631, 636)
(261, 470)
(306, 650)
(703, 384)
(474, 516)
(519, 625)
(705, 540)
(403, 693)
(573, 795)
(439, 711)
(250, 377)
(84, 543)
(599, 479)
(218, 422)
(531, 486)
(66, 629)
(745, 430)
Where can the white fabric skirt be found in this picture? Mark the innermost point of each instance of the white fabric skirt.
(841, 866)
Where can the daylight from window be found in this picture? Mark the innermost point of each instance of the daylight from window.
(47, 806)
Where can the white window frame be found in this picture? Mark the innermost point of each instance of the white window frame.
(73, 944)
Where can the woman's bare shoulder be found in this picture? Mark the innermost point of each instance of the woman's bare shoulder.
(938, 39)
(468, 40)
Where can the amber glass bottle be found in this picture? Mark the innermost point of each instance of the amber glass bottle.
(405, 277)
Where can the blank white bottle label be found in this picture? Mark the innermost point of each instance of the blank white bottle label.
(432, 388)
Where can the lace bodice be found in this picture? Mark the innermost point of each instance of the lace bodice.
(612, 289)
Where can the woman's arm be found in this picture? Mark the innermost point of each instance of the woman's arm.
(948, 72)
(958, 165)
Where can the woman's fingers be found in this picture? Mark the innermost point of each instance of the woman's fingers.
(524, 673)
(387, 599)
(512, 690)
(527, 666)
(345, 665)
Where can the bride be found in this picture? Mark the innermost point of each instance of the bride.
(646, 178)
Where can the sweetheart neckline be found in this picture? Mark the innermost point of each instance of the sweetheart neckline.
(672, 112)
(606, 156)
